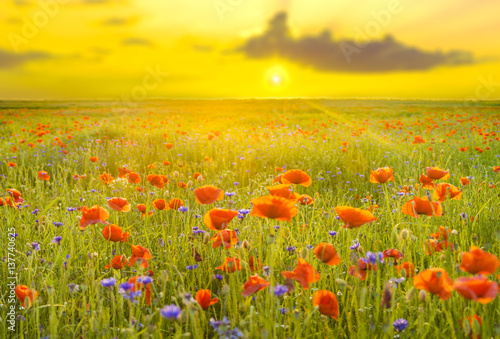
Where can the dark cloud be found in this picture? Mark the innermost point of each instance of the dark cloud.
(203, 48)
(8, 59)
(323, 53)
(136, 42)
(115, 21)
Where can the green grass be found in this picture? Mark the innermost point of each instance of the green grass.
(255, 137)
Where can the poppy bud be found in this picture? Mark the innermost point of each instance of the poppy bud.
(386, 301)
(246, 245)
(303, 253)
(341, 282)
(411, 293)
(230, 204)
(403, 273)
(422, 296)
(404, 234)
(270, 239)
(443, 257)
(466, 327)
(326, 214)
(124, 258)
(94, 255)
(206, 238)
(175, 174)
(454, 232)
(200, 178)
(266, 270)
(360, 249)
(189, 184)
(476, 327)
(353, 258)
(225, 289)
(413, 238)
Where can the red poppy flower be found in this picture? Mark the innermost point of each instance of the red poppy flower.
(119, 204)
(445, 190)
(437, 173)
(381, 175)
(477, 261)
(156, 180)
(230, 265)
(304, 273)
(204, 299)
(354, 217)
(477, 288)
(133, 178)
(253, 285)
(296, 177)
(106, 178)
(418, 206)
(140, 254)
(408, 267)
(219, 218)
(118, 262)
(284, 191)
(326, 302)
(225, 237)
(277, 208)
(114, 233)
(175, 203)
(25, 295)
(360, 270)
(435, 281)
(206, 195)
(94, 215)
(42, 175)
(160, 204)
(327, 254)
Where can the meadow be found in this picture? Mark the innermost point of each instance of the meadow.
(250, 219)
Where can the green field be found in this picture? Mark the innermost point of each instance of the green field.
(241, 146)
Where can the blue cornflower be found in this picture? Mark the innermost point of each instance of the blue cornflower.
(108, 282)
(183, 209)
(400, 324)
(57, 240)
(35, 246)
(332, 233)
(354, 246)
(145, 280)
(171, 311)
(280, 290)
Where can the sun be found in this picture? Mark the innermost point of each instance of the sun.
(277, 78)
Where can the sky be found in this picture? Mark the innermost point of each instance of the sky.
(134, 50)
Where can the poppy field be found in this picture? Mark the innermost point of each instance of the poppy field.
(250, 219)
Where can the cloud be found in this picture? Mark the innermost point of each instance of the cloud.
(203, 48)
(137, 42)
(116, 21)
(8, 59)
(323, 53)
